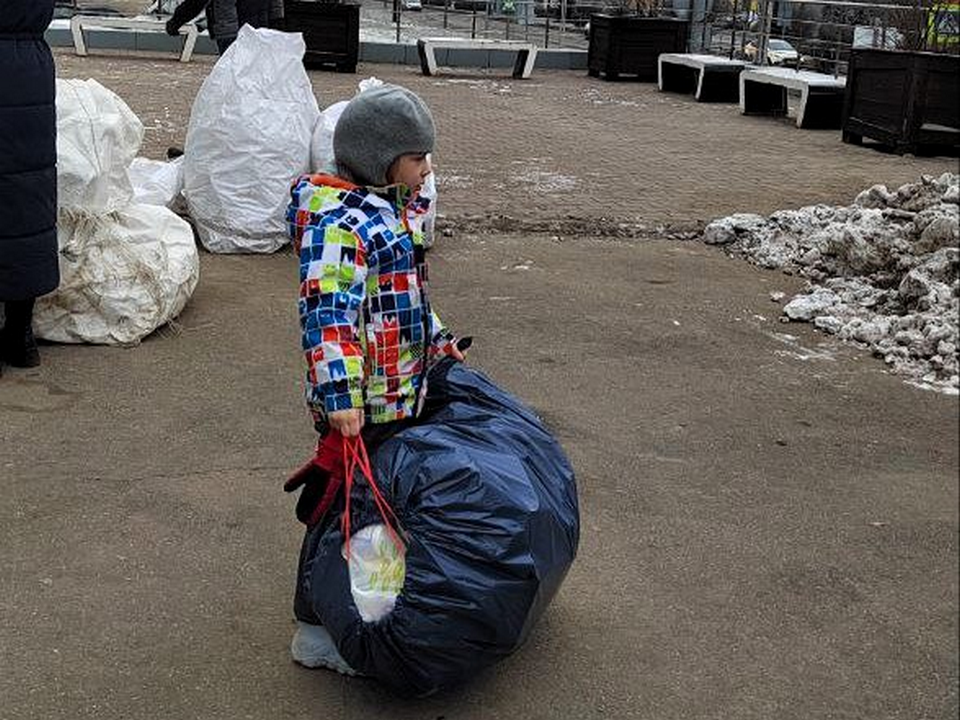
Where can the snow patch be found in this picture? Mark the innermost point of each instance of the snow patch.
(883, 272)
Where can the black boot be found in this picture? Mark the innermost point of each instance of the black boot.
(18, 347)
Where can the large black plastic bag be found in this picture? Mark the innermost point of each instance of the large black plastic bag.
(489, 504)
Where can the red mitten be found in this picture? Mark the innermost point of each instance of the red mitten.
(320, 479)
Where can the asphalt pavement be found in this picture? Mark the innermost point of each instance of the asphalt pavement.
(769, 518)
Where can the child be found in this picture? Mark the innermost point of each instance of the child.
(369, 334)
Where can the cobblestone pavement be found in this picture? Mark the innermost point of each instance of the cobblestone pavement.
(562, 148)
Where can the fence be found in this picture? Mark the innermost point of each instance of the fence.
(806, 34)
(546, 23)
(819, 34)
(822, 32)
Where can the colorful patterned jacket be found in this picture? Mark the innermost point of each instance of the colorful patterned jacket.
(368, 330)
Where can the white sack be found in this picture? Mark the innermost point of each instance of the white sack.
(156, 182)
(97, 138)
(248, 139)
(122, 276)
(321, 144)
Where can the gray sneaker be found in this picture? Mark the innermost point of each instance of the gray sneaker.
(313, 647)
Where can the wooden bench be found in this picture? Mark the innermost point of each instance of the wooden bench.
(710, 78)
(137, 25)
(526, 52)
(763, 91)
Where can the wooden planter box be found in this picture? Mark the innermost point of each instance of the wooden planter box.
(907, 100)
(331, 31)
(630, 45)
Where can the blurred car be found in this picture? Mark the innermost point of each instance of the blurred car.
(779, 52)
(411, 4)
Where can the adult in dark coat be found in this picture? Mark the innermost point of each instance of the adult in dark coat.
(28, 174)
(224, 17)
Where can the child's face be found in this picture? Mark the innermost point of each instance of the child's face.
(411, 170)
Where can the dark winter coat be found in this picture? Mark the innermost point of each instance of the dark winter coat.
(224, 17)
(28, 152)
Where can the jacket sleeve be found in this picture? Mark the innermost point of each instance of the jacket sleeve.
(297, 216)
(187, 11)
(333, 272)
(441, 339)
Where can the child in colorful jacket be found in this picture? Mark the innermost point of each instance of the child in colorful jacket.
(369, 333)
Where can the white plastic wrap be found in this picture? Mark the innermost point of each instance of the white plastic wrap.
(248, 138)
(377, 570)
(98, 137)
(156, 182)
(122, 276)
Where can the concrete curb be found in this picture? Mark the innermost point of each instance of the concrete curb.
(370, 51)
(129, 40)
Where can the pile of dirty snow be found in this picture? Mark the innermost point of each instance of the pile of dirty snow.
(882, 272)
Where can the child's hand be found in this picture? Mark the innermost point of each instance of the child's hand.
(347, 422)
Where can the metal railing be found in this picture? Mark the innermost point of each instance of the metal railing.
(821, 33)
(546, 23)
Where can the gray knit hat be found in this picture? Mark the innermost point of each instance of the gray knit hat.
(378, 126)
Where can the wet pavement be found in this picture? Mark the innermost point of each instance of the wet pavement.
(769, 519)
